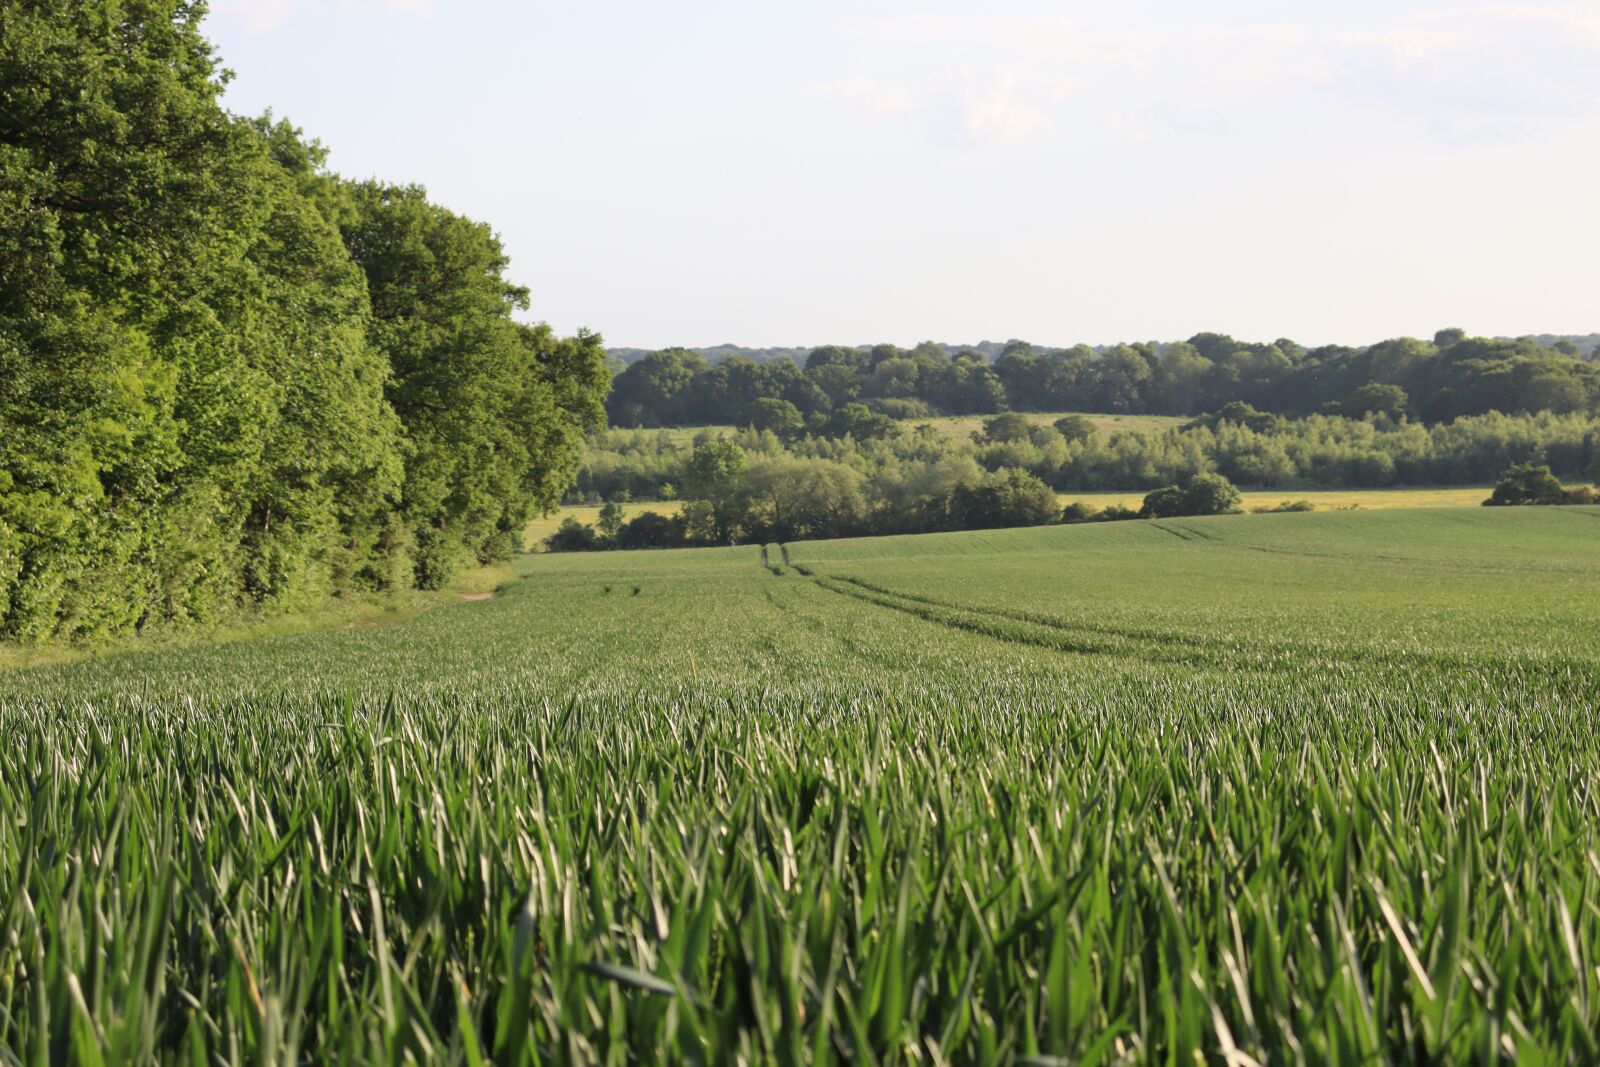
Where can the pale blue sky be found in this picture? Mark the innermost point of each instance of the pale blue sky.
(765, 174)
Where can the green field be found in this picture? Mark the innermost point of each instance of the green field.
(1313, 787)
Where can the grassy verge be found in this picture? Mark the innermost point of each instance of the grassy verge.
(344, 613)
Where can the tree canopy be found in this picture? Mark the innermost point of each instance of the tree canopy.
(1451, 376)
(227, 376)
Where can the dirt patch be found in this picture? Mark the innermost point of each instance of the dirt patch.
(477, 596)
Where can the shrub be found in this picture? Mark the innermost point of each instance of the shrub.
(1078, 511)
(1583, 494)
(650, 529)
(1005, 428)
(1526, 483)
(1008, 498)
(1076, 428)
(1286, 506)
(1164, 503)
(572, 536)
(1203, 494)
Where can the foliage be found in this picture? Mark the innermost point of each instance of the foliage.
(651, 530)
(1526, 483)
(1007, 498)
(1202, 494)
(715, 474)
(573, 536)
(1318, 451)
(205, 400)
(1453, 376)
(777, 416)
(945, 800)
(1377, 398)
(1076, 428)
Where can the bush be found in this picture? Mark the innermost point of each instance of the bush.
(1008, 498)
(1525, 483)
(1583, 494)
(1076, 428)
(572, 536)
(649, 529)
(1078, 511)
(1164, 503)
(902, 407)
(1203, 494)
(1002, 429)
(1286, 506)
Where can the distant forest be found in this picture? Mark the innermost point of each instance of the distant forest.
(1452, 375)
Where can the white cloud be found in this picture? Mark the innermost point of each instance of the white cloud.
(1006, 105)
(1455, 74)
(876, 99)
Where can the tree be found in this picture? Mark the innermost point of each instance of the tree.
(1202, 494)
(714, 474)
(192, 412)
(862, 423)
(221, 369)
(1007, 498)
(441, 310)
(1450, 336)
(610, 522)
(778, 416)
(572, 536)
(1003, 428)
(1377, 398)
(1210, 494)
(1527, 483)
(1165, 503)
(657, 390)
(1077, 428)
(1181, 381)
(805, 498)
(649, 529)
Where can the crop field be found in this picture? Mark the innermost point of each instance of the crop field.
(1318, 788)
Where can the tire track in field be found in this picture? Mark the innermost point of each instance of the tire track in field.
(1011, 631)
(1161, 647)
(814, 625)
(1052, 622)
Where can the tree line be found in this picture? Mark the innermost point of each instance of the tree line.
(1252, 448)
(1431, 381)
(753, 485)
(228, 376)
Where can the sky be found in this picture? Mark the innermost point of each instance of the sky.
(694, 173)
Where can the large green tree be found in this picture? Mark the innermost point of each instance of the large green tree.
(198, 407)
(494, 411)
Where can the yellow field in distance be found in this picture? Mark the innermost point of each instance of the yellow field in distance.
(1324, 499)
